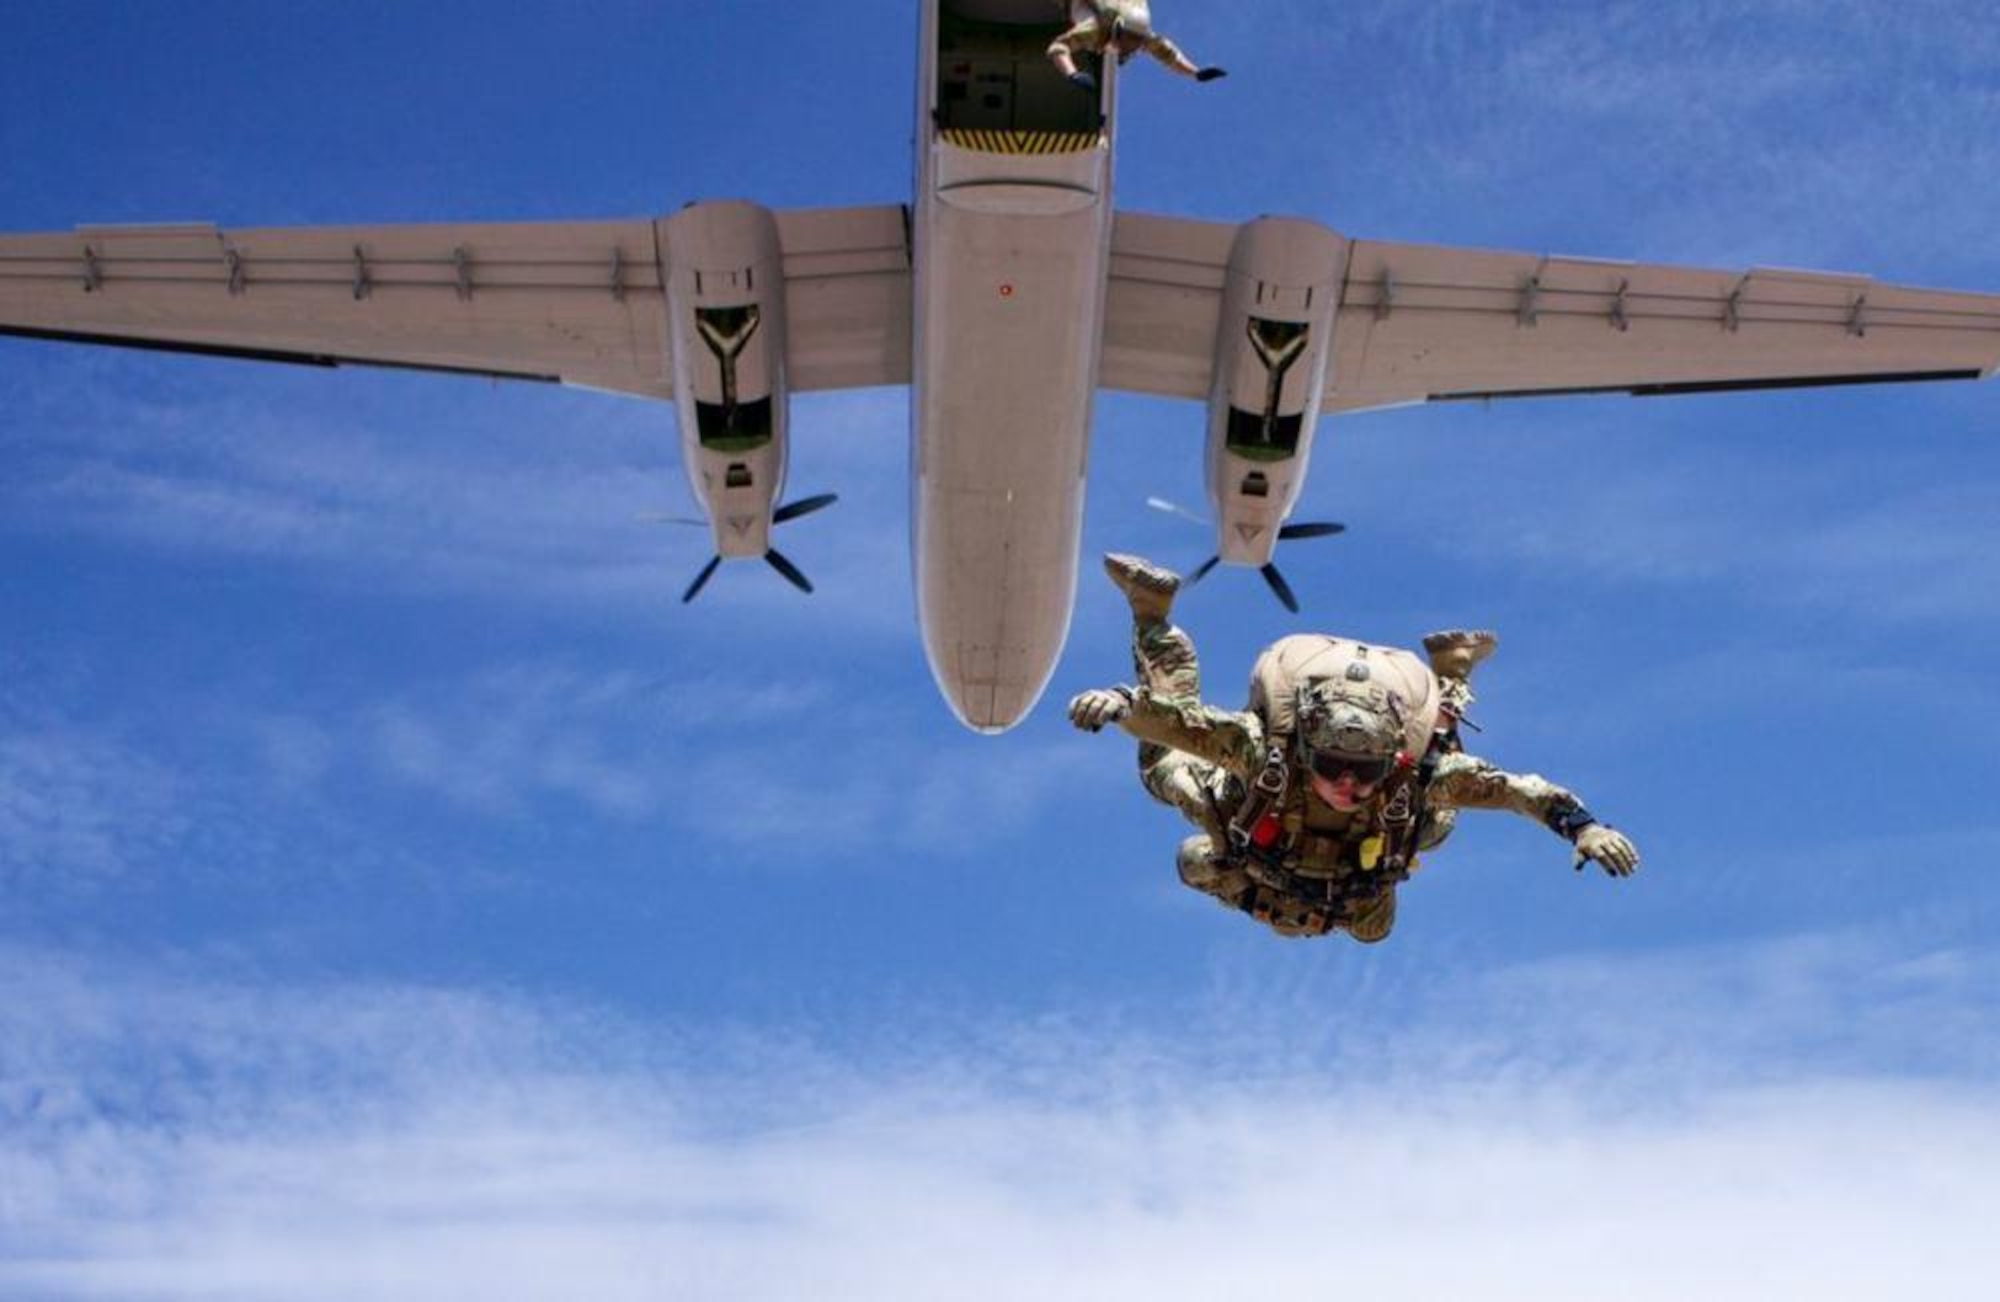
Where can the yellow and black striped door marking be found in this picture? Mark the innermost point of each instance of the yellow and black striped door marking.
(1020, 142)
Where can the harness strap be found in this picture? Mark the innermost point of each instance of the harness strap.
(1400, 819)
(1265, 793)
(1402, 810)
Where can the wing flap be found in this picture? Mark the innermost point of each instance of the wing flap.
(847, 296)
(1161, 304)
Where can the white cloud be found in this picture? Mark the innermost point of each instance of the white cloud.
(499, 497)
(221, 786)
(78, 805)
(1604, 491)
(1512, 1197)
(167, 1137)
(758, 768)
(1708, 131)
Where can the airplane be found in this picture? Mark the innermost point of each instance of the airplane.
(1005, 295)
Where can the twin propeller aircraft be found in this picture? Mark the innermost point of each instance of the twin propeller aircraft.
(1005, 296)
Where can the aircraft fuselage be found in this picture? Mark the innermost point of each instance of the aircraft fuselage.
(1012, 235)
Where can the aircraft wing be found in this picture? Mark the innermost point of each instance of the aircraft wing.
(1428, 323)
(575, 302)
(1161, 304)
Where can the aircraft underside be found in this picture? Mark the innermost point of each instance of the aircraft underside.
(1006, 295)
(1013, 227)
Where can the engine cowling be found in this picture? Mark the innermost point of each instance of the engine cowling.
(726, 315)
(1273, 340)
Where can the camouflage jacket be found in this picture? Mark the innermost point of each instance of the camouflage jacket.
(1324, 841)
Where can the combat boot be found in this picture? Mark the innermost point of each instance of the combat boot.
(1456, 652)
(1149, 588)
(1373, 925)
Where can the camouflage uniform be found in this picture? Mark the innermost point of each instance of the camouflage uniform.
(1097, 25)
(1201, 760)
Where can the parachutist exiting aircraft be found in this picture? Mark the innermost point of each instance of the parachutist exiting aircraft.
(1005, 296)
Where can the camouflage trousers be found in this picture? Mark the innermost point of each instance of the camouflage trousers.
(1094, 36)
(1207, 795)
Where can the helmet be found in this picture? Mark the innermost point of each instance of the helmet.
(1351, 721)
(1338, 696)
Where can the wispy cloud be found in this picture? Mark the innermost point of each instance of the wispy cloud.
(502, 500)
(170, 1136)
(1711, 131)
(795, 761)
(79, 805)
(754, 769)
(1603, 491)
(73, 799)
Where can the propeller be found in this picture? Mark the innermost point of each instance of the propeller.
(776, 559)
(791, 572)
(1280, 587)
(701, 579)
(804, 506)
(1272, 577)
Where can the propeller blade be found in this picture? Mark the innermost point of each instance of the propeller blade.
(1319, 529)
(1279, 586)
(804, 506)
(1162, 504)
(671, 519)
(790, 571)
(1201, 571)
(701, 579)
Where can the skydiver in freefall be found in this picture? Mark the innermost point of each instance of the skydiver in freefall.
(1315, 801)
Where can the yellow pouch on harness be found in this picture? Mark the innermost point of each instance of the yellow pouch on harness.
(1369, 853)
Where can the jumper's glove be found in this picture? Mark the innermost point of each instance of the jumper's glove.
(1209, 74)
(1611, 848)
(1083, 81)
(1093, 709)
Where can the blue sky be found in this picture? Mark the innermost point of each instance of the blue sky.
(406, 897)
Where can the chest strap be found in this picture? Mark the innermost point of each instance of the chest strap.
(1258, 846)
(1403, 810)
(1254, 830)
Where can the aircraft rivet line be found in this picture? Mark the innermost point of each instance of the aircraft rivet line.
(93, 275)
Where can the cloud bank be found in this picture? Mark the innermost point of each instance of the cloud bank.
(201, 1136)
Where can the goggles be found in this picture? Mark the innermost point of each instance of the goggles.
(1367, 770)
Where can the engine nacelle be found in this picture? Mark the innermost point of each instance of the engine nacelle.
(1273, 340)
(726, 316)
